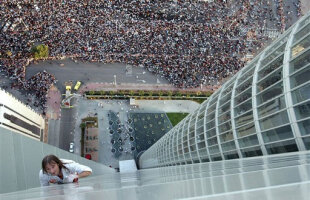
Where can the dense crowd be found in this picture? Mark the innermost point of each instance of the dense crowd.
(188, 42)
(40, 84)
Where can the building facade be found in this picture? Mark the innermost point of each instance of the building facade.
(17, 117)
(264, 109)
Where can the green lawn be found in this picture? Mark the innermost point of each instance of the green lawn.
(175, 118)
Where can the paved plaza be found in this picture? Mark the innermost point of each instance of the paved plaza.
(305, 6)
(69, 125)
(69, 70)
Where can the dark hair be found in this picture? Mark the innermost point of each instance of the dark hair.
(49, 159)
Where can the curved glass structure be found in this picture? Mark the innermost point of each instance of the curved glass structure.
(264, 109)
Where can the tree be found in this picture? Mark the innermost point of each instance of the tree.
(83, 125)
(122, 92)
(208, 93)
(40, 51)
(150, 93)
(170, 93)
(141, 93)
(131, 92)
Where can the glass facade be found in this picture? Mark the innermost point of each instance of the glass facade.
(274, 177)
(21, 159)
(264, 109)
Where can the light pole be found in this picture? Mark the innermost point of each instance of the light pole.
(115, 80)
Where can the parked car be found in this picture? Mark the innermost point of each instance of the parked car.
(71, 149)
(77, 85)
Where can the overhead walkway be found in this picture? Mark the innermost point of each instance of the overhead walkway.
(282, 176)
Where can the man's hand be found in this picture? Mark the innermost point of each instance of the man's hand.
(53, 181)
(72, 178)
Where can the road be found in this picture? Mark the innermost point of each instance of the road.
(67, 123)
(93, 72)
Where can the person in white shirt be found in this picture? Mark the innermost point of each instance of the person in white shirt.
(55, 170)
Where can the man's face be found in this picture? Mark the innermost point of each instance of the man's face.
(52, 168)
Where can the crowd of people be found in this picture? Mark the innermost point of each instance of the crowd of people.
(188, 42)
(37, 85)
(40, 84)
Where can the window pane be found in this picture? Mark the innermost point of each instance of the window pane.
(231, 155)
(274, 120)
(192, 142)
(244, 86)
(187, 155)
(200, 138)
(212, 141)
(201, 145)
(226, 137)
(210, 116)
(274, 46)
(228, 146)
(307, 142)
(224, 117)
(225, 97)
(274, 54)
(214, 149)
(216, 157)
(282, 147)
(248, 141)
(249, 69)
(193, 151)
(270, 80)
(214, 100)
(277, 134)
(250, 152)
(199, 128)
(301, 94)
(303, 44)
(271, 107)
(303, 110)
(203, 153)
(242, 108)
(300, 61)
(300, 77)
(211, 132)
(224, 108)
(246, 130)
(244, 118)
(211, 109)
(210, 124)
(204, 159)
(270, 93)
(225, 127)
(244, 96)
(304, 127)
(303, 31)
(271, 67)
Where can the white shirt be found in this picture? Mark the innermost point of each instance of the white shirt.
(73, 168)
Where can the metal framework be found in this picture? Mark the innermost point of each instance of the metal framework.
(264, 109)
